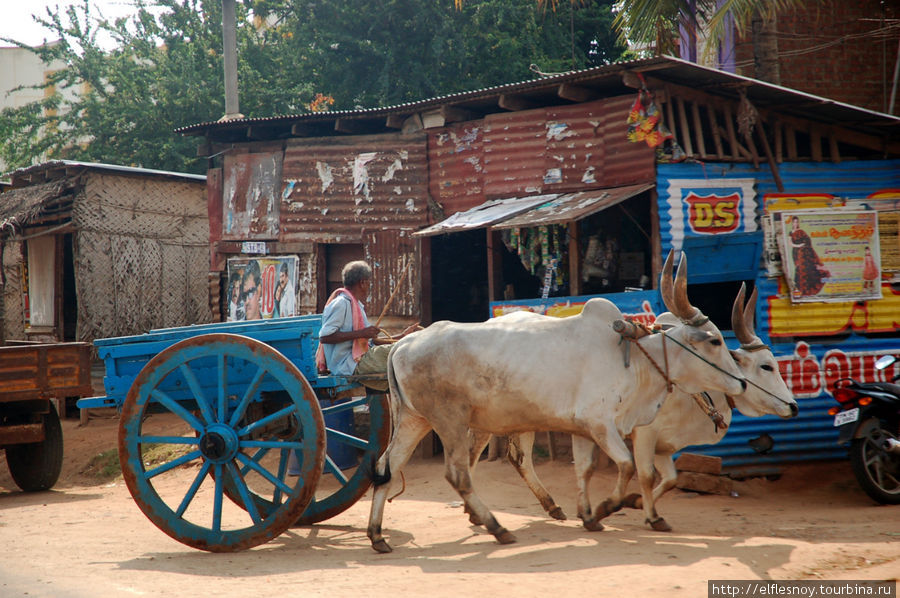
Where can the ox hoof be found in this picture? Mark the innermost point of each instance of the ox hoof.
(593, 525)
(505, 537)
(659, 525)
(382, 546)
(557, 513)
(606, 508)
(633, 501)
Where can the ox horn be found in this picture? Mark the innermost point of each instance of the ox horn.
(675, 296)
(739, 322)
(665, 283)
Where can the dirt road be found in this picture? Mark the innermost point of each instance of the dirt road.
(85, 540)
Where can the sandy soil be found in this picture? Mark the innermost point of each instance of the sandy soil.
(87, 539)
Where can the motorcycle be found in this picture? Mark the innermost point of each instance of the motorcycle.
(868, 418)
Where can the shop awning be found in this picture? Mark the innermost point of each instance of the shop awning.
(573, 206)
(487, 214)
(535, 210)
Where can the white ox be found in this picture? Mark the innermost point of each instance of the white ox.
(511, 375)
(679, 423)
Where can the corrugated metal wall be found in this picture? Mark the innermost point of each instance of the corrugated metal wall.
(530, 152)
(809, 367)
(456, 166)
(334, 188)
(395, 258)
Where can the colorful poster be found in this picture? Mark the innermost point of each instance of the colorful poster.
(261, 288)
(831, 255)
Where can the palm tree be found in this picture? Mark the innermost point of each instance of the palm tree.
(658, 25)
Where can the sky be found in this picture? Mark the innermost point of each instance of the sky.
(16, 21)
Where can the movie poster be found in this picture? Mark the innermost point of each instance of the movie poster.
(831, 255)
(261, 288)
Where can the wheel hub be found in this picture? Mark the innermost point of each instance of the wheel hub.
(219, 443)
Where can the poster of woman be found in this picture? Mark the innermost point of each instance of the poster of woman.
(831, 255)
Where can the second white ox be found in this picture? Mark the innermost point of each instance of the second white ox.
(512, 375)
(679, 423)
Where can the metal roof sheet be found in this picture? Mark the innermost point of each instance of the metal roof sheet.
(489, 213)
(574, 206)
(55, 165)
(604, 80)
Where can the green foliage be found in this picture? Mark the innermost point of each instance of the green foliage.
(655, 23)
(166, 69)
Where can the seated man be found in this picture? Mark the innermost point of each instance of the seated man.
(348, 344)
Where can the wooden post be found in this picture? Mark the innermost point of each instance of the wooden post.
(685, 130)
(714, 125)
(494, 265)
(574, 258)
(698, 129)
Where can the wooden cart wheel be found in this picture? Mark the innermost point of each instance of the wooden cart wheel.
(344, 487)
(337, 494)
(36, 466)
(240, 408)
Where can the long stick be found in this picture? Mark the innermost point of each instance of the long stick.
(393, 294)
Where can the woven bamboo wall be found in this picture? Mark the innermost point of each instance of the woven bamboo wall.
(13, 320)
(141, 255)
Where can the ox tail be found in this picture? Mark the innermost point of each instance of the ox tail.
(395, 398)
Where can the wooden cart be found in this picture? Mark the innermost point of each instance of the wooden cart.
(249, 406)
(32, 377)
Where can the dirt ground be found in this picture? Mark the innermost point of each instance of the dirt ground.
(87, 538)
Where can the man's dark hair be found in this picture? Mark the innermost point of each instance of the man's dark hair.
(252, 270)
(355, 272)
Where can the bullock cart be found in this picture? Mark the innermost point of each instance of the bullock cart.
(32, 377)
(261, 441)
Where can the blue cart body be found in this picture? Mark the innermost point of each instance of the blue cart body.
(297, 338)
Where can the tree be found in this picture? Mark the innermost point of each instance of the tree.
(166, 72)
(367, 54)
(658, 23)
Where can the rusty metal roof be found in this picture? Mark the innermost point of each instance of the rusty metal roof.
(487, 214)
(573, 206)
(534, 210)
(54, 169)
(554, 90)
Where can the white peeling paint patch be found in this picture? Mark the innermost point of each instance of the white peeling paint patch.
(559, 131)
(391, 169)
(475, 162)
(288, 189)
(398, 190)
(532, 190)
(325, 175)
(553, 175)
(462, 142)
(558, 158)
(596, 125)
(410, 205)
(295, 206)
(324, 211)
(361, 176)
(588, 176)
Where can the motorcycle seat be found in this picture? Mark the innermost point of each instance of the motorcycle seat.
(888, 387)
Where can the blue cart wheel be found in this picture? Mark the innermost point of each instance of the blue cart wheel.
(348, 481)
(240, 409)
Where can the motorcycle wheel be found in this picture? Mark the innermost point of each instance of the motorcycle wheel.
(876, 470)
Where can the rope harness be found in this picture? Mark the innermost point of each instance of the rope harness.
(634, 331)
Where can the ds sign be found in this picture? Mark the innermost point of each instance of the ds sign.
(713, 214)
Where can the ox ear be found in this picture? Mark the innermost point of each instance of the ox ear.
(738, 357)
